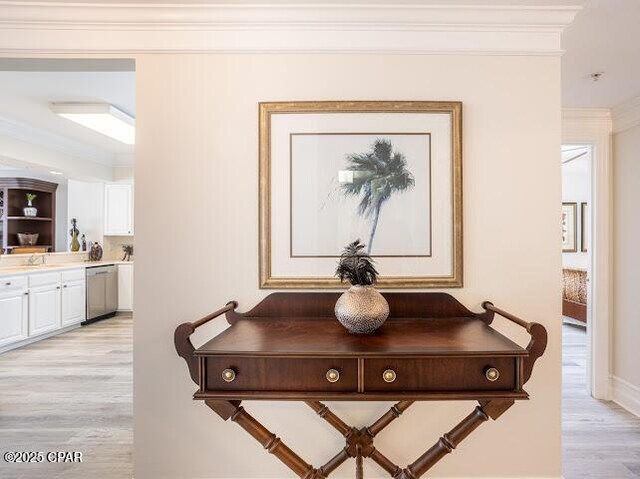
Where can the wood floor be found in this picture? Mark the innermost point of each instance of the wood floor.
(72, 392)
(600, 439)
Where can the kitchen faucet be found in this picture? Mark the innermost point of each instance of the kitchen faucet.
(33, 259)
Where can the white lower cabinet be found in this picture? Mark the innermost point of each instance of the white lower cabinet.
(125, 287)
(35, 306)
(73, 302)
(44, 309)
(14, 316)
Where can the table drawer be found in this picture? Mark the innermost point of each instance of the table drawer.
(280, 374)
(439, 374)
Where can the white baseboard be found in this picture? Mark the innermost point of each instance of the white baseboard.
(34, 339)
(625, 395)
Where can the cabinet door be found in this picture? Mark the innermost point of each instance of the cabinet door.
(14, 308)
(44, 309)
(118, 209)
(73, 302)
(125, 287)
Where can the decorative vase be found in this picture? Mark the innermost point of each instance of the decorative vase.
(75, 244)
(362, 309)
(30, 210)
(95, 252)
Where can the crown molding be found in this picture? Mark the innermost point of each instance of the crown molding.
(51, 141)
(160, 28)
(586, 119)
(626, 115)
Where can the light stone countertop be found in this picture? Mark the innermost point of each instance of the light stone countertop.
(50, 268)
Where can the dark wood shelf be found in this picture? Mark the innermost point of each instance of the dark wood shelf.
(29, 218)
(13, 193)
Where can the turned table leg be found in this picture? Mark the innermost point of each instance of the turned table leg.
(359, 442)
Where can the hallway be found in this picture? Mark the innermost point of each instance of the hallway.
(600, 439)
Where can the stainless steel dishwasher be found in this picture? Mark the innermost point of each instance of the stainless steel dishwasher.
(102, 292)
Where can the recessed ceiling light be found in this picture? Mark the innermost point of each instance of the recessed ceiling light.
(55, 172)
(597, 76)
(101, 117)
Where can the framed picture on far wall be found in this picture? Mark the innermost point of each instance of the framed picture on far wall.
(584, 226)
(569, 227)
(388, 173)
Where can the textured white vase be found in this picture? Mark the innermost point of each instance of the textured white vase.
(362, 309)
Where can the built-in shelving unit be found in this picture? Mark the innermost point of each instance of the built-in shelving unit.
(13, 199)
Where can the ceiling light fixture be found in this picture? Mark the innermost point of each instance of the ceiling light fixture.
(101, 117)
(56, 172)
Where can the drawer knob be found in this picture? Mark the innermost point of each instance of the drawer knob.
(389, 375)
(333, 375)
(228, 375)
(492, 374)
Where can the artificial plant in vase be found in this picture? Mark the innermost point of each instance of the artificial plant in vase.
(30, 210)
(361, 309)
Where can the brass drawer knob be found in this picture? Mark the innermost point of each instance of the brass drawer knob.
(333, 375)
(228, 375)
(492, 374)
(389, 375)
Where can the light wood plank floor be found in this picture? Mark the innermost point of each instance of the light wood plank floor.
(600, 439)
(72, 392)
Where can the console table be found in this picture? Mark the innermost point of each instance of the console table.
(291, 347)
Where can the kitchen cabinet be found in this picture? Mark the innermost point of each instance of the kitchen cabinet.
(118, 209)
(73, 302)
(125, 287)
(14, 316)
(44, 309)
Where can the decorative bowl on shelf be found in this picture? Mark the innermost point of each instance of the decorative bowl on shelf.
(28, 239)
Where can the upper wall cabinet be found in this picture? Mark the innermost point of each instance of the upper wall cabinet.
(118, 209)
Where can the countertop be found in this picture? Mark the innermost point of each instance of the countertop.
(49, 268)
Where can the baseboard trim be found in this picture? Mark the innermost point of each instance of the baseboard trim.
(626, 395)
(35, 339)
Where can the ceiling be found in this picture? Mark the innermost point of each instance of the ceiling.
(604, 37)
(24, 106)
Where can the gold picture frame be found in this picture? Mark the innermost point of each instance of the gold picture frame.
(569, 227)
(583, 226)
(266, 112)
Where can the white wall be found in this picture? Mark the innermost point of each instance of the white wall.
(626, 266)
(86, 204)
(197, 142)
(576, 188)
(61, 199)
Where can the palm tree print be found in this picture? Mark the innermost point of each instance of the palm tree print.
(377, 174)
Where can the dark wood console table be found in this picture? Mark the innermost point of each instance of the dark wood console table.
(290, 347)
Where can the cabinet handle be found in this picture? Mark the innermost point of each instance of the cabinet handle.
(65, 286)
(228, 375)
(333, 375)
(57, 287)
(492, 374)
(8, 283)
(26, 293)
(389, 376)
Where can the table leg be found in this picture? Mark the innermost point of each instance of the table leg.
(449, 441)
(272, 443)
(359, 442)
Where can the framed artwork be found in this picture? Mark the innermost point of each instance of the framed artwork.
(569, 227)
(387, 173)
(584, 230)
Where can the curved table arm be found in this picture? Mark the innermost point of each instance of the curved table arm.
(537, 344)
(184, 346)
